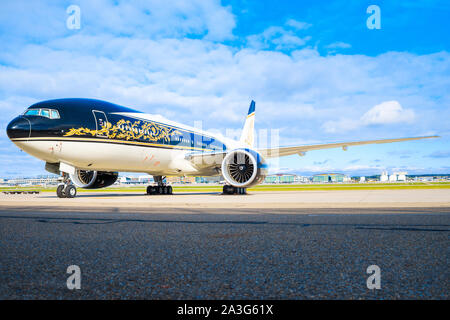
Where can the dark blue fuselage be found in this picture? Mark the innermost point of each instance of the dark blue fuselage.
(103, 122)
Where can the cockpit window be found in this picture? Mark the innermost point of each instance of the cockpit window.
(32, 112)
(45, 113)
(54, 114)
(48, 113)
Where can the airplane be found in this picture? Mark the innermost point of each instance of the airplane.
(88, 142)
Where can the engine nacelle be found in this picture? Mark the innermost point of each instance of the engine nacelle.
(244, 168)
(93, 179)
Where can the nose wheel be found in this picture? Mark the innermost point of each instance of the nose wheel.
(227, 189)
(66, 189)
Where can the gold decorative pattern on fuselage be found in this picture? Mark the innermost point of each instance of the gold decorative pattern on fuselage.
(126, 130)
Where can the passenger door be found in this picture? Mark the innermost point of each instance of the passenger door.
(100, 122)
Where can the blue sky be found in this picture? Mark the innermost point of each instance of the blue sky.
(315, 70)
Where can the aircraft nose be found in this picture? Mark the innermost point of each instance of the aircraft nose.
(20, 127)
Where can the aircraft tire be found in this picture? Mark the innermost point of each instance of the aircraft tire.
(60, 191)
(71, 191)
(169, 190)
(229, 189)
(154, 190)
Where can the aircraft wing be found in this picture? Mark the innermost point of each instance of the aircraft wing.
(300, 150)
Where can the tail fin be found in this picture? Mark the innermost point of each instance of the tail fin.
(248, 135)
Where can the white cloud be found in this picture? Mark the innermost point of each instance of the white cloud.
(385, 113)
(338, 45)
(388, 112)
(149, 19)
(280, 38)
(190, 78)
(287, 41)
(299, 25)
(354, 168)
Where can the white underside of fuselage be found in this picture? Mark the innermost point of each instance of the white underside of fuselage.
(106, 156)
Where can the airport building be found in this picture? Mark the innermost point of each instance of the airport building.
(424, 179)
(39, 181)
(216, 179)
(280, 178)
(135, 180)
(181, 180)
(302, 179)
(286, 178)
(147, 180)
(394, 177)
(400, 176)
(330, 177)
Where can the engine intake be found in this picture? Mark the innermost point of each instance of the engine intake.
(243, 168)
(93, 180)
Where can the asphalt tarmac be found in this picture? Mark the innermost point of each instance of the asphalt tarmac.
(382, 198)
(214, 253)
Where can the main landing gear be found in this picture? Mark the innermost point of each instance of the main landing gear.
(161, 188)
(227, 189)
(66, 189)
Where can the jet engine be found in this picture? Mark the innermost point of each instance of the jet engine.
(243, 168)
(93, 179)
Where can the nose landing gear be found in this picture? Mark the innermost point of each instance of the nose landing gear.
(227, 189)
(161, 188)
(66, 189)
